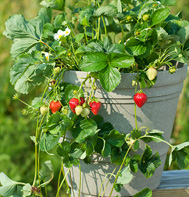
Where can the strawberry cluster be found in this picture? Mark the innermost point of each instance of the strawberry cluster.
(79, 107)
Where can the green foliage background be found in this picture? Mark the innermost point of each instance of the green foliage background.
(16, 148)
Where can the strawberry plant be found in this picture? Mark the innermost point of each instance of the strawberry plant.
(104, 41)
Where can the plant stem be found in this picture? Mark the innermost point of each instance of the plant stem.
(86, 39)
(47, 45)
(135, 117)
(109, 180)
(105, 29)
(36, 155)
(157, 139)
(57, 194)
(98, 33)
(79, 179)
(121, 167)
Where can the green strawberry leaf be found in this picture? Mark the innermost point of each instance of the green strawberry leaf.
(69, 92)
(85, 15)
(63, 149)
(149, 162)
(54, 4)
(8, 187)
(46, 173)
(135, 47)
(48, 141)
(93, 62)
(180, 154)
(106, 150)
(29, 72)
(115, 138)
(159, 15)
(146, 192)
(110, 78)
(125, 176)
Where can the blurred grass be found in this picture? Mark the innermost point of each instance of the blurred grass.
(16, 148)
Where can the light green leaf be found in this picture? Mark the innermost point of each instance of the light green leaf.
(8, 186)
(108, 10)
(48, 141)
(109, 78)
(159, 15)
(144, 193)
(46, 173)
(79, 37)
(88, 124)
(58, 20)
(125, 176)
(26, 190)
(54, 4)
(93, 62)
(23, 45)
(184, 34)
(119, 6)
(168, 2)
(18, 27)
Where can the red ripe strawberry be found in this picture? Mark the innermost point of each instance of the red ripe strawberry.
(82, 100)
(140, 99)
(74, 102)
(55, 106)
(95, 107)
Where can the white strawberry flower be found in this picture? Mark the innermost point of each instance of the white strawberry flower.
(59, 34)
(46, 56)
(67, 32)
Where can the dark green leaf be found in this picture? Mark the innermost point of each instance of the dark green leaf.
(116, 48)
(135, 134)
(115, 138)
(136, 145)
(149, 162)
(93, 62)
(144, 193)
(118, 187)
(58, 20)
(69, 92)
(106, 128)
(76, 150)
(109, 78)
(99, 120)
(63, 149)
(106, 150)
(85, 15)
(89, 148)
(135, 47)
(122, 61)
(125, 176)
(159, 15)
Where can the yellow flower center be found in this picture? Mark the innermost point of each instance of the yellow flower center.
(59, 36)
(47, 57)
(67, 32)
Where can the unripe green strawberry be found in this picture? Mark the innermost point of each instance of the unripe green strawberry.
(78, 110)
(151, 73)
(145, 17)
(44, 110)
(56, 70)
(85, 112)
(128, 18)
(172, 69)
